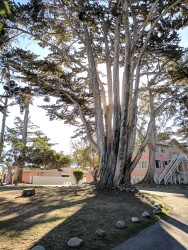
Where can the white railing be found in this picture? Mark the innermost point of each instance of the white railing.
(169, 176)
(167, 169)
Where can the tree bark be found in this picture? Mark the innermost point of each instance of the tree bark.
(149, 177)
(2, 135)
(122, 157)
(24, 140)
(19, 174)
(109, 82)
(25, 124)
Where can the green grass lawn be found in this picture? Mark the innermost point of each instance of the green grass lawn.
(54, 215)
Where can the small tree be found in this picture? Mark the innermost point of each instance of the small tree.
(78, 175)
(85, 157)
(37, 152)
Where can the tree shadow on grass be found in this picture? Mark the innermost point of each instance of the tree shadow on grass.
(54, 215)
(29, 211)
(101, 211)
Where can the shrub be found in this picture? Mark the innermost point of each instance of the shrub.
(78, 175)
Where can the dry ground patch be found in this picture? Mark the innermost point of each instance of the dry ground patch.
(54, 215)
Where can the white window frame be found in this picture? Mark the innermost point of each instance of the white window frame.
(165, 165)
(157, 149)
(164, 150)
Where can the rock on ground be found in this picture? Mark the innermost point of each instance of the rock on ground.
(38, 247)
(146, 214)
(152, 202)
(127, 188)
(100, 232)
(157, 211)
(74, 242)
(158, 205)
(135, 219)
(121, 224)
(28, 192)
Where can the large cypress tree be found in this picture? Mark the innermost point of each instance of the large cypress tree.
(81, 36)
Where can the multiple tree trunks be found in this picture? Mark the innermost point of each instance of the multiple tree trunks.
(114, 169)
(28, 192)
(123, 34)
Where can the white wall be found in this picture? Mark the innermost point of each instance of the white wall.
(51, 180)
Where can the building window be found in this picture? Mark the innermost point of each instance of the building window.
(158, 164)
(139, 165)
(164, 150)
(144, 164)
(165, 164)
(157, 150)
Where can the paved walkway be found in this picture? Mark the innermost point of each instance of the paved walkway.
(168, 234)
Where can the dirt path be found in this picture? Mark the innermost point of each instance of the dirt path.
(168, 234)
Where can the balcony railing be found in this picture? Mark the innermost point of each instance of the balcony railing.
(170, 170)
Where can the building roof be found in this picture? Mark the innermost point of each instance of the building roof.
(157, 143)
(162, 143)
(61, 170)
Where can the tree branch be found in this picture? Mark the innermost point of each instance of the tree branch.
(85, 123)
(150, 126)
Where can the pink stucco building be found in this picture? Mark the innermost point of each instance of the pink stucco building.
(164, 153)
(53, 177)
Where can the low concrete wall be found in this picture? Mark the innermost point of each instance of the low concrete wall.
(51, 180)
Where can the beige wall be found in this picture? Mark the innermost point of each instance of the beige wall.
(175, 149)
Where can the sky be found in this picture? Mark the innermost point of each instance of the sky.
(57, 131)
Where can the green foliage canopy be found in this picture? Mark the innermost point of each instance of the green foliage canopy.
(37, 152)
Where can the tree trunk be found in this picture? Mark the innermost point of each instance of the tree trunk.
(149, 177)
(127, 176)
(19, 174)
(95, 175)
(24, 140)
(9, 176)
(25, 124)
(107, 170)
(3, 127)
